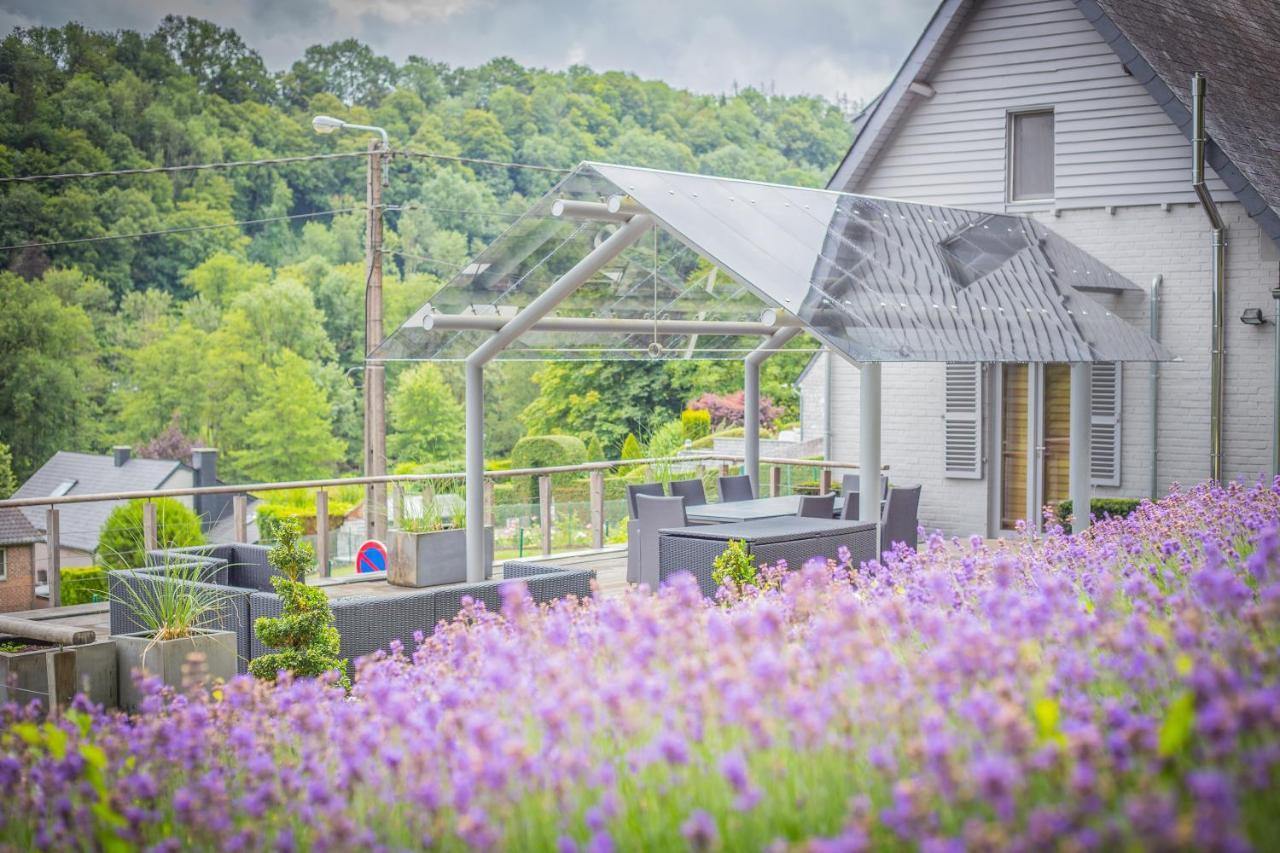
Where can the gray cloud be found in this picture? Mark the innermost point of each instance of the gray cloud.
(826, 47)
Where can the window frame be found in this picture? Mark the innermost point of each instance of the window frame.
(1010, 148)
(4, 564)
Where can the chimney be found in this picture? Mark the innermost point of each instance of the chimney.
(121, 453)
(210, 508)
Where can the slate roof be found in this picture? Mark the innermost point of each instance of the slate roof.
(81, 523)
(15, 529)
(1236, 44)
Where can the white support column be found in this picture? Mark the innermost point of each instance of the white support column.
(541, 306)
(751, 401)
(476, 569)
(1080, 452)
(869, 439)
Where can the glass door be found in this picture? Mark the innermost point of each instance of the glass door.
(1035, 440)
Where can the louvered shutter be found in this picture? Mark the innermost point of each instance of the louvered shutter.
(962, 421)
(1104, 437)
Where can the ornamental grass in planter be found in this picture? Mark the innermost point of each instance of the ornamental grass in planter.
(430, 549)
(175, 608)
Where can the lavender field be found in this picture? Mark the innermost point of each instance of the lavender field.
(1119, 689)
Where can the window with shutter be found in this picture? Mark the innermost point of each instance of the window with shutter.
(962, 421)
(1104, 436)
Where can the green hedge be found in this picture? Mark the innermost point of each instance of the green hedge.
(83, 585)
(1099, 507)
(547, 451)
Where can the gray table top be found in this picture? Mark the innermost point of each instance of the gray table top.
(777, 527)
(750, 510)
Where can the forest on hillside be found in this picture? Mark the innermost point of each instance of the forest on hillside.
(243, 328)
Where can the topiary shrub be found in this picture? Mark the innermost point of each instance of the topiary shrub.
(631, 449)
(1099, 507)
(303, 632)
(696, 423)
(546, 451)
(83, 585)
(121, 544)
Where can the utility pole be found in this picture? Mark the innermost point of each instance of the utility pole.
(375, 413)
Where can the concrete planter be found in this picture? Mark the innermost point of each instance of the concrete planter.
(164, 659)
(27, 675)
(433, 559)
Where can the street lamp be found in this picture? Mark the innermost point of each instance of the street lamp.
(375, 413)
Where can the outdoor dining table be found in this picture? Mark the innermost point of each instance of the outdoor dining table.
(694, 549)
(754, 510)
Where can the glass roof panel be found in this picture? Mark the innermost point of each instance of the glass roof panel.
(878, 280)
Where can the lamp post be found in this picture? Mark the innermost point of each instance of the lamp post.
(375, 413)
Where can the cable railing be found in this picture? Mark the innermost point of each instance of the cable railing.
(539, 511)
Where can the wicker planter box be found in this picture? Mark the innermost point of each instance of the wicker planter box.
(165, 658)
(433, 559)
(25, 675)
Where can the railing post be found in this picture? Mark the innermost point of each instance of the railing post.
(724, 469)
(775, 481)
(597, 508)
(489, 510)
(240, 517)
(544, 512)
(150, 541)
(53, 556)
(397, 503)
(824, 481)
(322, 532)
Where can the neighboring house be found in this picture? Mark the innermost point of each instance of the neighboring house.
(18, 540)
(1077, 113)
(68, 473)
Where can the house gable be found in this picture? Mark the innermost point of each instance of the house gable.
(1114, 145)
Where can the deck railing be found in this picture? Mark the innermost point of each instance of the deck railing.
(776, 471)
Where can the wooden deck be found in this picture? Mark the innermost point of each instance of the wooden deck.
(610, 565)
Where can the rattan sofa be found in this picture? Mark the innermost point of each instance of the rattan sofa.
(365, 623)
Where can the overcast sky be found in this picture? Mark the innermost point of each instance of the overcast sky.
(826, 47)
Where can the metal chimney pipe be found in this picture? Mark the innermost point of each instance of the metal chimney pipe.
(1156, 284)
(1217, 352)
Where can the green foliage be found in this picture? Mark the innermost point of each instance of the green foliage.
(735, 566)
(667, 440)
(546, 451)
(427, 421)
(8, 483)
(1115, 507)
(631, 448)
(177, 603)
(595, 452)
(83, 585)
(121, 544)
(48, 374)
(289, 433)
(696, 423)
(304, 633)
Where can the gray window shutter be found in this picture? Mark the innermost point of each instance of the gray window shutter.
(1104, 436)
(962, 421)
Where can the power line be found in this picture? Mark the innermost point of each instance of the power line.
(188, 167)
(481, 161)
(184, 230)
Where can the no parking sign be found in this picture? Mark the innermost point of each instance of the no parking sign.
(371, 557)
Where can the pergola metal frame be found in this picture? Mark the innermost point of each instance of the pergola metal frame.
(776, 327)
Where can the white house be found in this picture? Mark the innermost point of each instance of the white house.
(1078, 112)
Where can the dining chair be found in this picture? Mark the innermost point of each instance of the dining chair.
(736, 488)
(817, 506)
(693, 492)
(851, 484)
(654, 514)
(900, 520)
(849, 512)
(654, 489)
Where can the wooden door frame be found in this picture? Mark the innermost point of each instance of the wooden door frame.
(1035, 447)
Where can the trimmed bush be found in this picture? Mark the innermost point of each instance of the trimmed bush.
(120, 544)
(1101, 507)
(83, 585)
(696, 423)
(547, 451)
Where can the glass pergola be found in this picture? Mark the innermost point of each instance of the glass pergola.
(619, 262)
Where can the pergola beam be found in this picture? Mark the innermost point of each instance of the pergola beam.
(540, 307)
(751, 400)
(608, 325)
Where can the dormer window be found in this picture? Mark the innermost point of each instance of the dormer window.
(1030, 156)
